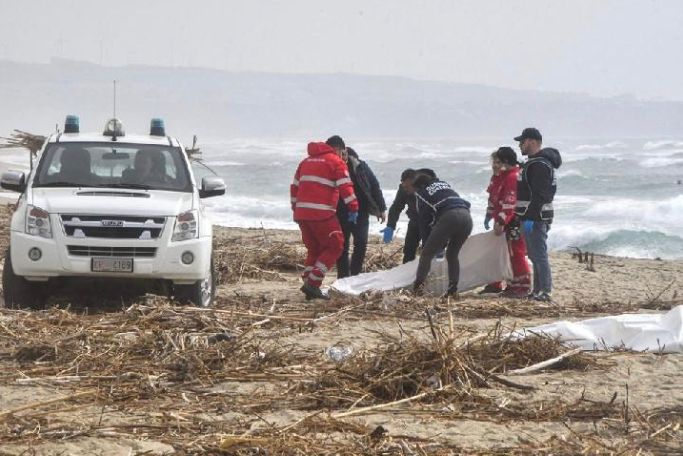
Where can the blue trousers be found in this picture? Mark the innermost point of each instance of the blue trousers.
(537, 250)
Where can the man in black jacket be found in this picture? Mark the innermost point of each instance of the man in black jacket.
(536, 186)
(405, 196)
(370, 201)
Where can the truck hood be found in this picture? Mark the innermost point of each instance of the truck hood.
(111, 201)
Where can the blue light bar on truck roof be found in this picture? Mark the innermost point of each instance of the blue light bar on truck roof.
(72, 124)
(157, 128)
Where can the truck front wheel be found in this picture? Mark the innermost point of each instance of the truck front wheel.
(201, 293)
(19, 292)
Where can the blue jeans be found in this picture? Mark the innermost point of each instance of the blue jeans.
(537, 250)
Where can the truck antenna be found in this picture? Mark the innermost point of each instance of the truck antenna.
(114, 98)
(113, 138)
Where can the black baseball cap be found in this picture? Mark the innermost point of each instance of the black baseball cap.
(530, 133)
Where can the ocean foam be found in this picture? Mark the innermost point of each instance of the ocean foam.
(223, 163)
(661, 162)
(664, 215)
(654, 145)
(562, 173)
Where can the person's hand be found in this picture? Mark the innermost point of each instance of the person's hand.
(382, 217)
(388, 234)
(353, 217)
(527, 226)
(498, 229)
(487, 222)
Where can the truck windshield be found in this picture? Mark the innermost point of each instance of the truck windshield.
(117, 165)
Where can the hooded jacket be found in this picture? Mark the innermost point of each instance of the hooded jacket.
(367, 189)
(536, 186)
(320, 181)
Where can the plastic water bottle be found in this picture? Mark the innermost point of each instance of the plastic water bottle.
(437, 280)
(338, 353)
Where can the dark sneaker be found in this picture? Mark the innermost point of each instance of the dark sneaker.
(515, 294)
(312, 292)
(490, 289)
(543, 297)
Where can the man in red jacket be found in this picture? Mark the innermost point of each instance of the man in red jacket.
(320, 181)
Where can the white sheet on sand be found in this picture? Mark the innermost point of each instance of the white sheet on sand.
(655, 333)
(484, 258)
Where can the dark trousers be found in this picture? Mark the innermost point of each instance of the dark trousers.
(359, 231)
(412, 241)
(450, 231)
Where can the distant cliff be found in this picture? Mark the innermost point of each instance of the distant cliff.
(215, 103)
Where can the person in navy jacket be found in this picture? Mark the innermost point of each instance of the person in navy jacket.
(370, 202)
(445, 222)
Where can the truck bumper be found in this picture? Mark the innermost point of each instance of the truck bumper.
(56, 261)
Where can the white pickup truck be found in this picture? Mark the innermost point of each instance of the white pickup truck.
(110, 205)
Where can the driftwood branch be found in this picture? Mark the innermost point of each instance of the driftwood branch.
(385, 405)
(544, 364)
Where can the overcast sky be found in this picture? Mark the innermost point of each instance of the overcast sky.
(602, 47)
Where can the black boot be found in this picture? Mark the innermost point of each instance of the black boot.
(312, 292)
(452, 292)
(418, 288)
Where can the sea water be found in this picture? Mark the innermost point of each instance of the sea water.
(619, 197)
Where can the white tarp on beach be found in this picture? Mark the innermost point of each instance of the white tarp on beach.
(483, 259)
(658, 333)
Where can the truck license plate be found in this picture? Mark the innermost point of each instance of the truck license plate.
(100, 264)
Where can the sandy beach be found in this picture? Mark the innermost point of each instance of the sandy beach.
(133, 376)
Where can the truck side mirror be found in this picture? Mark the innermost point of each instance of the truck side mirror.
(212, 186)
(14, 181)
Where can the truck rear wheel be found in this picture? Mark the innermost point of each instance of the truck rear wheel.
(19, 292)
(201, 293)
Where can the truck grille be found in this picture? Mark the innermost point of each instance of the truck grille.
(115, 226)
(85, 250)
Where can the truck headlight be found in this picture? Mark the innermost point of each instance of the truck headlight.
(185, 226)
(38, 222)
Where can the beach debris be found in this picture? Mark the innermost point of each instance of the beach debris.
(194, 152)
(338, 353)
(207, 381)
(381, 258)
(587, 258)
(414, 368)
(656, 301)
(544, 364)
(257, 259)
(23, 140)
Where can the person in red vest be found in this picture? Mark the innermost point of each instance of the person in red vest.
(320, 181)
(493, 190)
(504, 200)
